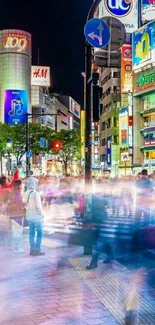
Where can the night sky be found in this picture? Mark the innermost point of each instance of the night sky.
(57, 30)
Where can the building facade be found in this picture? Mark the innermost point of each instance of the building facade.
(109, 121)
(74, 110)
(15, 70)
(144, 97)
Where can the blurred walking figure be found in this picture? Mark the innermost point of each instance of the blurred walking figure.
(116, 199)
(16, 211)
(127, 199)
(34, 215)
(144, 191)
(131, 305)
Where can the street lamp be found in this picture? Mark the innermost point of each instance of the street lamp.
(125, 158)
(9, 146)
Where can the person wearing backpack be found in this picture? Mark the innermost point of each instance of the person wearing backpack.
(35, 217)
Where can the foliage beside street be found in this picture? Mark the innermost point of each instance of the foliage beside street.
(70, 140)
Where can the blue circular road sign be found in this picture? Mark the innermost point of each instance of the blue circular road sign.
(97, 32)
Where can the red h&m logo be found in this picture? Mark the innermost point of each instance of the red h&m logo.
(40, 73)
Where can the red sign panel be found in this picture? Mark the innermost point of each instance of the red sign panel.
(150, 143)
(16, 41)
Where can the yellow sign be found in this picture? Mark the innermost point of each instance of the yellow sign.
(82, 134)
(126, 69)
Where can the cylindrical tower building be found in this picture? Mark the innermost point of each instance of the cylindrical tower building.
(15, 71)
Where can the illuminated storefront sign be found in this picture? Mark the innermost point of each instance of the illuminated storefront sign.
(130, 119)
(149, 142)
(74, 107)
(82, 135)
(143, 46)
(148, 10)
(123, 127)
(40, 76)
(124, 10)
(16, 41)
(144, 81)
(15, 106)
(109, 151)
(126, 69)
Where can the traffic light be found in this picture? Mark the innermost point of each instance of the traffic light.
(56, 145)
(96, 102)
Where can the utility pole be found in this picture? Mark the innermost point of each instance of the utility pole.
(88, 112)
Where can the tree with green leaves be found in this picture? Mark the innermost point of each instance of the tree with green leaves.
(71, 147)
(18, 135)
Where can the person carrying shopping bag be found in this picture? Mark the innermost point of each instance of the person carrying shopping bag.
(35, 217)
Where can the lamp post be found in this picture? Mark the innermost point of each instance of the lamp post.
(125, 161)
(28, 115)
(9, 146)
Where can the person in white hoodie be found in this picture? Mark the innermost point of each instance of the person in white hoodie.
(34, 215)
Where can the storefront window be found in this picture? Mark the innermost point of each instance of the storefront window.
(149, 101)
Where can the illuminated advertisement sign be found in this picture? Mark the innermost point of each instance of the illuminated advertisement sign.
(124, 10)
(74, 107)
(150, 143)
(143, 47)
(148, 10)
(109, 151)
(82, 134)
(15, 106)
(15, 41)
(130, 119)
(126, 69)
(123, 127)
(144, 81)
(40, 76)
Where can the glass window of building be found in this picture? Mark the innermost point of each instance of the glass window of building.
(103, 126)
(116, 74)
(108, 123)
(103, 142)
(115, 122)
(116, 139)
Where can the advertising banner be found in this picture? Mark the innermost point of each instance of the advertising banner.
(123, 127)
(148, 10)
(143, 46)
(15, 41)
(149, 142)
(124, 10)
(15, 106)
(144, 81)
(109, 151)
(82, 135)
(40, 76)
(74, 107)
(126, 69)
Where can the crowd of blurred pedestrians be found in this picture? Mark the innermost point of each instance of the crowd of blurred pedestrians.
(32, 200)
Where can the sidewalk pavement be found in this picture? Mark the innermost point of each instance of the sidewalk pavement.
(47, 290)
(56, 289)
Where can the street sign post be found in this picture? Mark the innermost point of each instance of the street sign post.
(97, 32)
(29, 154)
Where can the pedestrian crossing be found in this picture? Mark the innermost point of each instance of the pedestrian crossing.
(113, 226)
